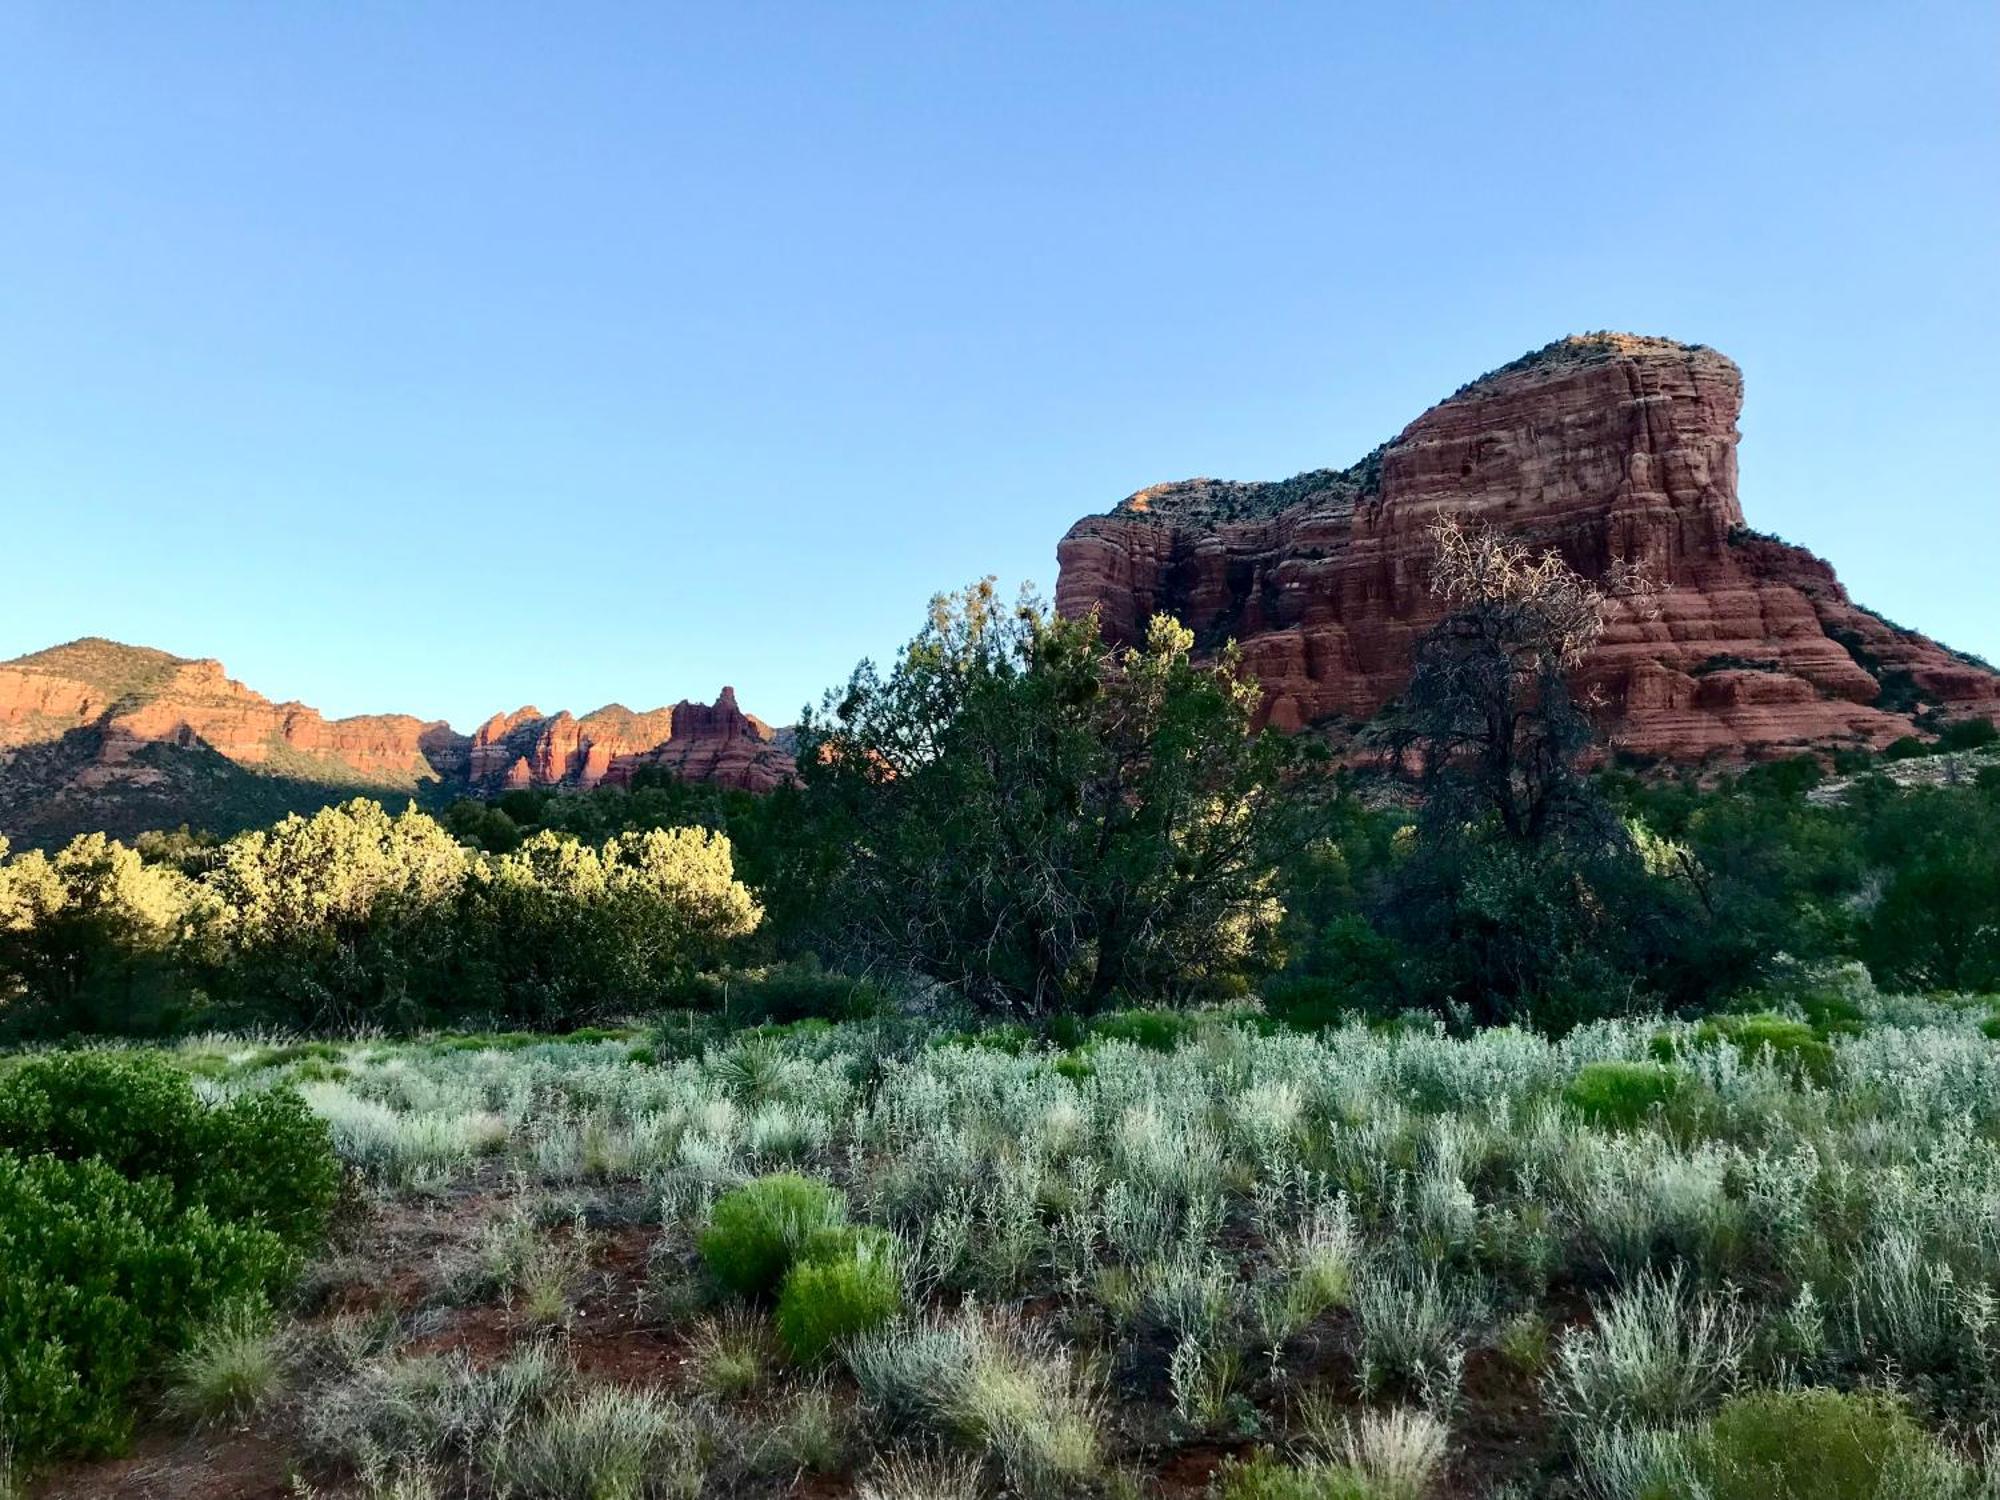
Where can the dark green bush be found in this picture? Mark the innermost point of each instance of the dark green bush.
(1809, 1445)
(260, 1157)
(1347, 966)
(834, 1293)
(1011, 1038)
(782, 993)
(1312, 1004)
(757, 1230)
(1968, 734)
(793, 993)
(1621, 1093)
(101, 1277)
(1155, 1030)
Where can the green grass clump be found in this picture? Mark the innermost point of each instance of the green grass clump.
(229, 1369)
(1813, 1445)
(1788, 1043)
(757, 1230)
(1621, 1093)
(1155, 1030)
(600, 1443)
(830, 1298)
(1265, 1477)
(1011, 1038)
(1075, 1066)
(487, 1041)
(291, 1052)
(731, 1353)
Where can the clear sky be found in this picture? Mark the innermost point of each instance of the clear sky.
(448, 357)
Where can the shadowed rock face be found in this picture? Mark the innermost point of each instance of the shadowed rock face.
(99, 735)
(1606, 447)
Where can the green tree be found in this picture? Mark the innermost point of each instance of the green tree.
(1525, 896)
(340, 917)
(1043, 821)
(570, 929)
(88, 938)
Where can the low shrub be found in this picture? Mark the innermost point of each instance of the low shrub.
(925, 1476)
(1787, 1043)
(602, 1443)
(1311, 1003)
(813, 1433)
(230, 1367)
(1395, 1454)
(830, 1298)
(1155, 1030)
(1621, 1093)
(782, 993)
(1656, 1355)
(756, 1230)
(100, 1278)
(1813, 1444)
(731, 1353)
(261, 1157)
(1011, 1038)
(1263, 1476)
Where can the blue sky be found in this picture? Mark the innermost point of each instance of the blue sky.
(448, 357)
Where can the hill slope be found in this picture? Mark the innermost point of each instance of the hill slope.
(95, 734)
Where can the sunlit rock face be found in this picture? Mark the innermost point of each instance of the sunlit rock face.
(1607, 447)
(97, 735)
(714, 742)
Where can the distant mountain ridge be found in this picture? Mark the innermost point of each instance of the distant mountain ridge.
(99, 735)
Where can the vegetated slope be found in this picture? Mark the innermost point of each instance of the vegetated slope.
(1403, 1265)
(98, 735)
(1607, 447)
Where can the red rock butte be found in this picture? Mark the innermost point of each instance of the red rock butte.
(1606, 447)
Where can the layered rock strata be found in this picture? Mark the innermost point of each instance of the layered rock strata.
(95, 734)
(1609, 448)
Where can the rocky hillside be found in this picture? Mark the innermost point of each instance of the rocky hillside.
(99, 735)
(1607, 447)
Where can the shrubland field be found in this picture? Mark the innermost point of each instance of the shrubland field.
(1188, 1254)
(1064, 1090)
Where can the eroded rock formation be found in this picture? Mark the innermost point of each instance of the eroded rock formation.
(715, 742)
(99, 735)
(1607, 447)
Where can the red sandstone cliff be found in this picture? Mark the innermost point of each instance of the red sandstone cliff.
(701, 742)
(1607, 447)
(95, 734)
